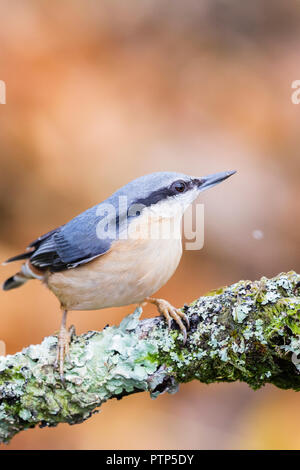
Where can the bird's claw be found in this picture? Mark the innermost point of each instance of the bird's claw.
(171, 313)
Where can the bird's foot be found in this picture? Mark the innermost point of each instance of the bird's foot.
(63, 347)
(170, 312)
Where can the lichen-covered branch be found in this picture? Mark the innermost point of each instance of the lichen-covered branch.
(248, 331)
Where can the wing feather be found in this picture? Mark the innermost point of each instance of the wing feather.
(70, 245)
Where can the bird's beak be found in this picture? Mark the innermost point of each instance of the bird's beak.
(209, 181)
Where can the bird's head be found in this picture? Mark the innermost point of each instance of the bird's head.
(166, 192)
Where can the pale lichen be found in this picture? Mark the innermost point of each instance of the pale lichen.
(248, 331)
(256, 322)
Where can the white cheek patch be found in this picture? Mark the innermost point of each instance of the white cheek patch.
(174, 206)
(162, 220)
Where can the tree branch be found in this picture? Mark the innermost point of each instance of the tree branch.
(248, 332)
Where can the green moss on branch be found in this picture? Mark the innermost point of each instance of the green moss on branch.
(248, 332)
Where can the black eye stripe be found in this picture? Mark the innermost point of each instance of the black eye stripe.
(164, 193)
(154, 197)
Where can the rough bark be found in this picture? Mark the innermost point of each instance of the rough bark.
(248, 332)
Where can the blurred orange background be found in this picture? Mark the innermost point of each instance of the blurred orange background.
(99, 93)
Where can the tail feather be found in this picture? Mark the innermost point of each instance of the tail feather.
(14, 281)
(19, 257)
(31, 248)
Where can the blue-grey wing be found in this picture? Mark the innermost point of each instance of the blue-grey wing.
(72, 244)
(80, 240)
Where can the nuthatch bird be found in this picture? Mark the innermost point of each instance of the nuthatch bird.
(115, 253)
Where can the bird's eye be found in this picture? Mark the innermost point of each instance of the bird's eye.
(179, 186)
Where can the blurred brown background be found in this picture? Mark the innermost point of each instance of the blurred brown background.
(101, 92)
